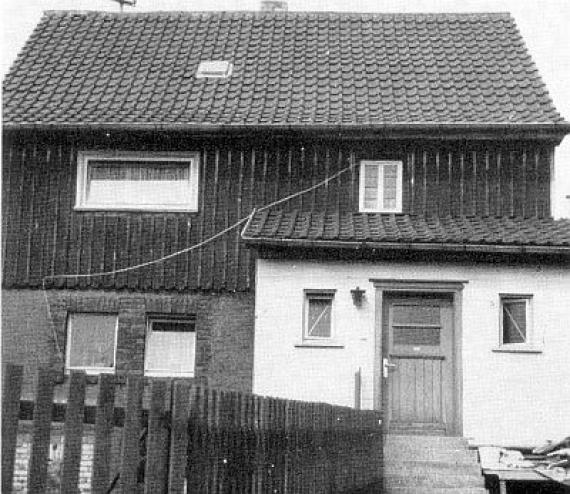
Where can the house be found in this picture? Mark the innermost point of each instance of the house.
(415, 248)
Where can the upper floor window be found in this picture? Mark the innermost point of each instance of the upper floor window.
(137, 181)
(380, 186)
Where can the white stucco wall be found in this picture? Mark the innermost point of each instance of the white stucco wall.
(508, 398)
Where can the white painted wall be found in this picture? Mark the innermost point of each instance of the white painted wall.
(509, 398)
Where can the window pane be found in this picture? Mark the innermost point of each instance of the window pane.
(371, 186)
(319, 318)
(416, 336)
(170, 348)
(390, 176)
(416, 314)
(115, 182)
(92, 340)
(514, 321)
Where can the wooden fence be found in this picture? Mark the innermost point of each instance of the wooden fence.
(193, 439)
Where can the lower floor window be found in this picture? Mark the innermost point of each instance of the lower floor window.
(170, 347)
(515, 319)
(91, 342)
(318, 317)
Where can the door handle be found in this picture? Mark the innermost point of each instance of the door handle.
(386, 366)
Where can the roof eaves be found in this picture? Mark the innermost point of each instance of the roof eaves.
(558, 129)
(409, 246)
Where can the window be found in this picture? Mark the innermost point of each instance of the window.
(137, 181)
(170, 347)
(381, 186)
(214, 69)
(318, 317)
(515, 319)
(91, 342)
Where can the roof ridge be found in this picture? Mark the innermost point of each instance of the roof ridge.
(190, 13)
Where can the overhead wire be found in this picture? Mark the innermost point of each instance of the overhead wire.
(203, 242)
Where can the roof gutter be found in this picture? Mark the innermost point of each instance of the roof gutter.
(411, 246)
(552, 130)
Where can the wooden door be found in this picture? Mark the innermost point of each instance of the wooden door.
(417, 364)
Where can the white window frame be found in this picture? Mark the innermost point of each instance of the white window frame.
(83, 158)
(380, 185)
(312, 294)
(68, 349)
(166, 318)
(529, 337)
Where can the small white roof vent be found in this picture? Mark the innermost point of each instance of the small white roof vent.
(214, 68)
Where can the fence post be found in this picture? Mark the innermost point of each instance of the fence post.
(156, 471)
(73, 433)
(11, 391)
(130, 455)
(103, 434)
(39, 455)
(358, 389)
(179, 437)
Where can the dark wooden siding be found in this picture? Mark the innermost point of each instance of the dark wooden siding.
(43, 235)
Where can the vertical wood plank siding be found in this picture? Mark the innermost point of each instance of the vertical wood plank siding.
(44, 235)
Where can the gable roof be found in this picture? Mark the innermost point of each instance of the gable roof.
(294, 69)
(403, 231)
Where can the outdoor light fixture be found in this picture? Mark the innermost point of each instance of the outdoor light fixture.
(357, 296)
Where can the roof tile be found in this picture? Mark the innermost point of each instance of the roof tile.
(309, 68)
(316, 228)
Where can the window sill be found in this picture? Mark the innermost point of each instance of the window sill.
(318, 344)
(131, 209)
(518, 349)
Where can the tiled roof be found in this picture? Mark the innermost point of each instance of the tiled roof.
(289, 69)
(406, 231)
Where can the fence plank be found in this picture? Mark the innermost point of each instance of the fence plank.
(130, 454)
(156, 470)
(73, 433)
(179, 438)
(11, 391)
(39, 455)
(195, 430)
(103, 434)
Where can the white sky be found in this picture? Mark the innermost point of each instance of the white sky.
(545, 26)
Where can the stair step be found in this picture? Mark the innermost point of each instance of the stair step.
(393, 454)
(435, 479)
(428, 467)
(427, 441)
(435, 490)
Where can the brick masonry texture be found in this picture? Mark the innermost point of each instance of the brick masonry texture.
(34, 320)
(56, 457)
(295, 69)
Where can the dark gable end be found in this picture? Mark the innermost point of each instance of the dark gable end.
(291, 70)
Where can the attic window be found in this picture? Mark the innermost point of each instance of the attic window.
(220, 69)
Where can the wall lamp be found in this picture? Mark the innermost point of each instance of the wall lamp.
(357, 296)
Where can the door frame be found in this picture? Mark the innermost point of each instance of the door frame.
(383, 287)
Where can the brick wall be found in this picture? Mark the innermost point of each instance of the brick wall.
(56, 457)
(34, 330)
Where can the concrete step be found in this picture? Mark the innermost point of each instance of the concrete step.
(457, 456)
(425, 442)
(435, 479)
(435, 490)
(426, 468)
(449, 455)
